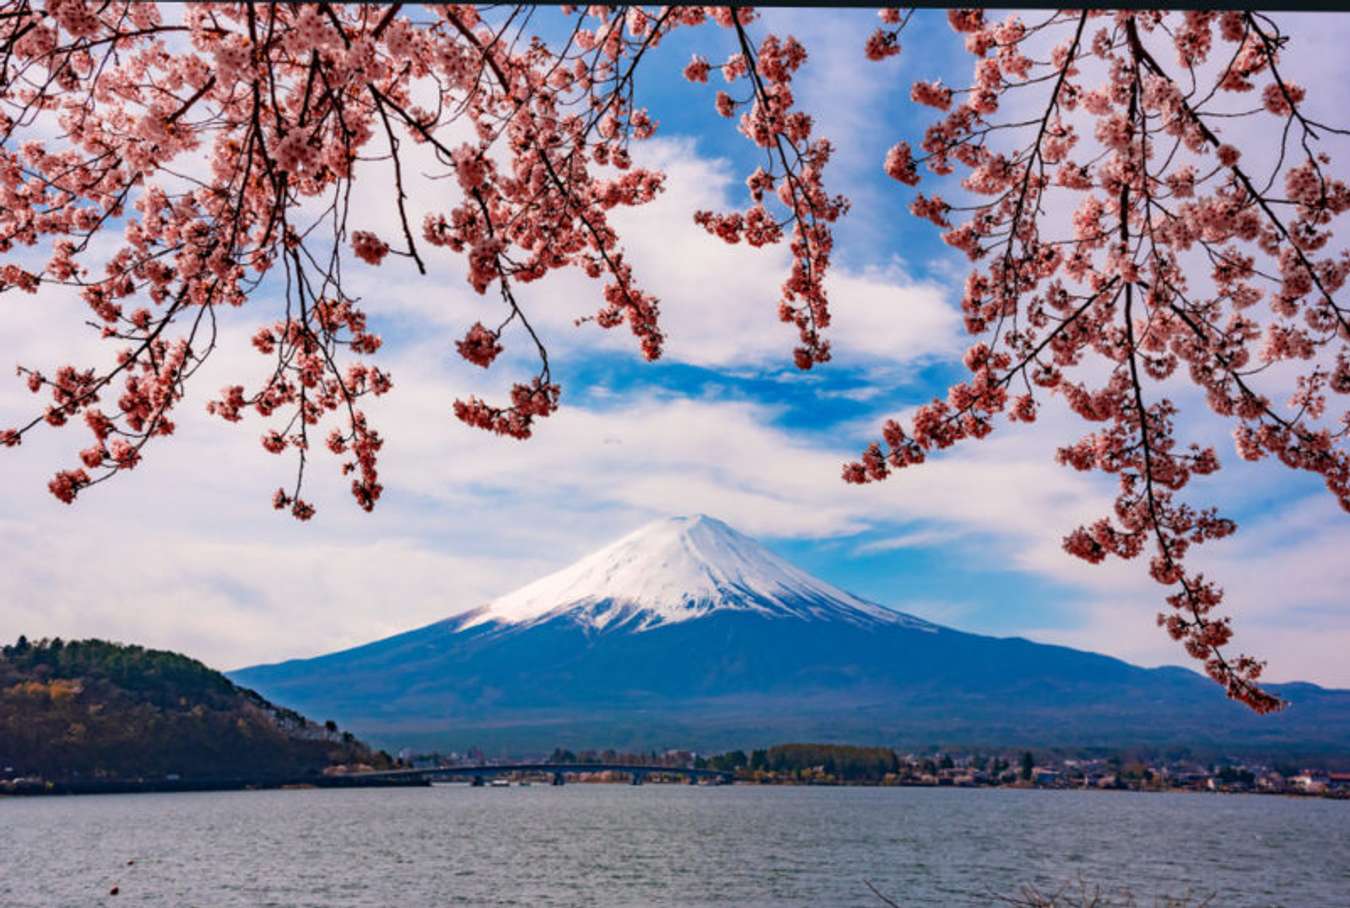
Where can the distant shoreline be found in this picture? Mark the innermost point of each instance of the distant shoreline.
(134, 786)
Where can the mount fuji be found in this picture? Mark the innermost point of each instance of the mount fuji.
(679, 570)
(689, 633)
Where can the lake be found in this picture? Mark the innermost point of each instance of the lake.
(613, 845)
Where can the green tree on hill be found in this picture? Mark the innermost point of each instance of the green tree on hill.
(94, 709)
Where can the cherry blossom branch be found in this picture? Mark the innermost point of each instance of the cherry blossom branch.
(1138, 215)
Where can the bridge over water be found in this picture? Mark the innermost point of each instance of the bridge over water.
(556, 771)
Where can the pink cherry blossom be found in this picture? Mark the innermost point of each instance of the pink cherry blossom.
(369, 247)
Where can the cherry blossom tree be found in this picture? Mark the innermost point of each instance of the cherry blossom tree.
(166, 162)
(1178, 255)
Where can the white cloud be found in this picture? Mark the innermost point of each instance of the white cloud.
(224, 598)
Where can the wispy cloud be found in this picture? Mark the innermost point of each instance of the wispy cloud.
(917, 539)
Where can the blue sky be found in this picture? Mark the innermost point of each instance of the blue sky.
(186, 552)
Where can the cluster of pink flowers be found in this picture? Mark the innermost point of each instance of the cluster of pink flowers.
(299, 508)
(883, 43)
(368, 247)
(933, 94)
(67, 484)
(696, 70)
(295, 152)
(537, 399)
(899, 164)
(480, 346)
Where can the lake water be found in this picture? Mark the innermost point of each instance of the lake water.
(653, 845)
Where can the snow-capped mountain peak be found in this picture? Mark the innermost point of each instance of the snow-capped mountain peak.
(675, 570)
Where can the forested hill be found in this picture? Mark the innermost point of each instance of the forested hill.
(90, 709)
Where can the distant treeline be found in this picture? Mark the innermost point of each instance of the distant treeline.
(848, 763)
(843, 761)
(562, 755)
(93, 709)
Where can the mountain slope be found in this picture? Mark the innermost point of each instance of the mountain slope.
(91, 709)
(688, 633)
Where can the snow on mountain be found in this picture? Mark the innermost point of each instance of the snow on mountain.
(676, 570)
